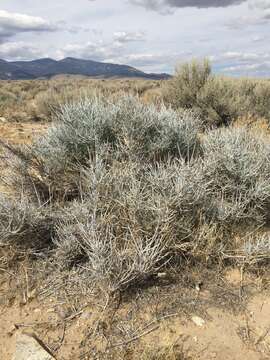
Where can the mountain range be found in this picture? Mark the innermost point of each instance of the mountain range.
(47, 68)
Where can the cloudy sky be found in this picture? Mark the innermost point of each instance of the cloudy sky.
(152, 35)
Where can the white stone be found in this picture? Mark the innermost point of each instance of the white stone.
(198, 321)
(28, 348)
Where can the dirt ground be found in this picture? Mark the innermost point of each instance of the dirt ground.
(215, 322)
(21, 133)
(224, 316)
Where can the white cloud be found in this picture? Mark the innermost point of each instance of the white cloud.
(239, 56)
(259, 14)
(243, 63)
(257, 69)
(125, 36)
(246, 21)
(118, 52)
(150, 62)
(14, 23)
(19, 51)
(98, 51)
(258, 38)
(259, 4)
(102, 50)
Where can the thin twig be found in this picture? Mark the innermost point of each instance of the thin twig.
(123, 343)
(62, 338)
(7, 272)
(71, 317)
(263, 336)
(241, 282)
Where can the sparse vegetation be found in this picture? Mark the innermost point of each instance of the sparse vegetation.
(137, 183)
(137, 187)
(39, 100)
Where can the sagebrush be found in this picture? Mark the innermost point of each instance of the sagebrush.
(127, 190)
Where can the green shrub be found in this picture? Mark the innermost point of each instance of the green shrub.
(260, 99)
(7, 98)
(217, 100)
(189, 80)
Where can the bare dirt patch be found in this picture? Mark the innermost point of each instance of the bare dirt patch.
(148, 323)
(21, 133)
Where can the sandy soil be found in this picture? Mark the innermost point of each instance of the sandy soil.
(21, 133)
(143, 322)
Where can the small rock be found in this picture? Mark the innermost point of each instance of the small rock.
(12, 330)
(29, 348)
(198, 321)
(162, 275)
(3, 119)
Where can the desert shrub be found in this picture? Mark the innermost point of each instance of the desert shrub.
(153, 96)
(110, 230)
(251, 98)
(48, 104)
(257, 247)
(194, 87)
(116, 265)
(126, 129)
(7, 98)
(190, 78)
(217, 100)
(24, 171)
(132, 220)
(24, 225)
(129, 189)
(127, 124)
(260, 99)
(153, 133)
(237, 164)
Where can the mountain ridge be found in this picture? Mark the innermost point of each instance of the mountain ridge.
(47, 68)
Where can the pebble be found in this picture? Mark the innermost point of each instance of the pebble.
(198, 321)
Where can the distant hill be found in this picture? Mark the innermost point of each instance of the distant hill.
(47, 68)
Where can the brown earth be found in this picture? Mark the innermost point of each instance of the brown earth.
(21, 133)
(145, 323)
